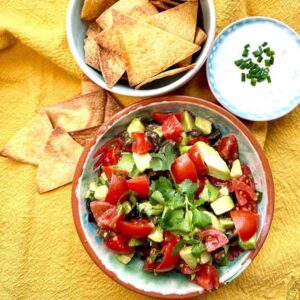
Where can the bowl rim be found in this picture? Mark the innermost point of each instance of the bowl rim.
(220, 98)
(145, 103)
(201, 59)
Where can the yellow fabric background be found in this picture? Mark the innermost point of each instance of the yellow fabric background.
(41, 255)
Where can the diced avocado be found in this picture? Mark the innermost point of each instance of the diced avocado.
(158, 130)
(236, 170)
(89, 194)
(209, 193)
(149, 209)
(214, 220)
(126, 207)
(204, 125)
(158, 197)
(186, 255)
(134, 242)
(226, 223)
(93, 186)
(224, 191)
(248, 245)
(102, 178)
(188, 122)
(142, 161)
(222, 205)
(135, 126)
(217, 167)
(126, 162)
(101, 192)
(124, 258)
(184, 149)
(157, 235)
(205, 257)
(184, 139)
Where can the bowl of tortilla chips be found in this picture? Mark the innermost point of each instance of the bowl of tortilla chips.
(140, 48)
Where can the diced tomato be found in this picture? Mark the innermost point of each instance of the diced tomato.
(110, 219)
(136, 228)
(218, 183)
(201, 184)
(117, 190)
(149, 266)
(234, 251)
(240, 186)
(99, 207)
(172, 128)
(109, 170)
(119, 244)
(168, 261)
(140, 144)
(200, 138)
(140, 185)
(160, 117)
(245, 222)
(249, 206)
(196, 156)
(108, 145)
(184, 168)
(213, 239)
(247, 176)
(208, 277)
(185, 269)
(170, 238)
(228, 148)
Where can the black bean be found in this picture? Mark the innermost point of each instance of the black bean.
(154, 139)
(214, 136)
(134, 213)
(195, 133)
(218, 255)
(91, 218)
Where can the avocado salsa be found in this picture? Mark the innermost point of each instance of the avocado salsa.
(172, 191)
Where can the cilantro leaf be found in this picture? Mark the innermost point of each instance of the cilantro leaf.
(201, 219)
(197, 249)
(188, 187)
(164, 186)
(163, 161)
(181, 244)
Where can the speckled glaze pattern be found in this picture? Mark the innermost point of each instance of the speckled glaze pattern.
(170, 285)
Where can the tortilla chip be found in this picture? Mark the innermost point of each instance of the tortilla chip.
(93, 8)
(166, 74)
(92, 53)
(27, 144)
(112, 66)
(93, 30)
(84, 136)
(200, 36)
(58, 161)
(180, 20)
(80, 112)
(112, 107)
(148, 50)
(124, 6)
(88, 86)
(109, 39)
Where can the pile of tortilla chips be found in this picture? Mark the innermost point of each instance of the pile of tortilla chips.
(141, 41)
(54, 139)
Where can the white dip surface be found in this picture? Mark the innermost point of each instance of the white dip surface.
(285, 72)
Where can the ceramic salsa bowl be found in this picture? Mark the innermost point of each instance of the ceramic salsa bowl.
(172, 284)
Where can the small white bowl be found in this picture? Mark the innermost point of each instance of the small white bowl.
(76, 30)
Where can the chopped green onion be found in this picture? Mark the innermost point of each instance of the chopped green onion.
(265, 44)
(270, 53)
(239, 62)
(269, 79)
(267, 49)
(243, 77)
(245, 53)
(260, 49)
(247, 46)
(272, 60)
(259, 59)
(256, 53)
(253, 82)
(267, 63)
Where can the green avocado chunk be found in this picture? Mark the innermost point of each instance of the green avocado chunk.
(124, 258)
(157, 235)
(217, 167)
(209, 193)
(187, 121)
(248, 245)
(186, 255)
(204, 125)
(135, 126)
(222, 205)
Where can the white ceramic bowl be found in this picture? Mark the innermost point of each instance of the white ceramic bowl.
(76, 30)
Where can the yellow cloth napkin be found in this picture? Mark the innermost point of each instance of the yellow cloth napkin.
(41, 255)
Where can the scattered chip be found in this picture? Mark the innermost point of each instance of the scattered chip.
(148, 50)
(88, 86)
(112, 67)
(27, 144)
(58, 161)
(93, 8)
(80, 112)
(124, 6)
(92, 53)
(200, 36)
(166, 74)
(84, 136)
(112, 107)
